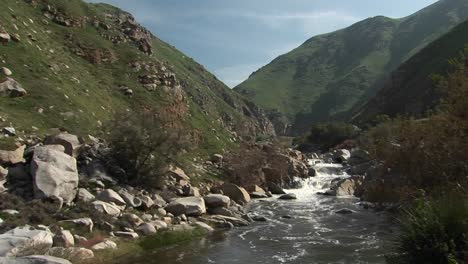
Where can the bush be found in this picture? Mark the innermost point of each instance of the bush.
(433, 231)
(143, 145)
(324, 136)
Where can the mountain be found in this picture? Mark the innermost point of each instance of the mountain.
(330, 74)
(411, 89)
(81, 63)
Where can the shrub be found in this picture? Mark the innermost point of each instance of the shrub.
(143, 145)
(324, 136)
(433, 231)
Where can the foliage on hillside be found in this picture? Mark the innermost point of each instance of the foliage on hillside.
(83, 63)
(328, 75)
(324, 136)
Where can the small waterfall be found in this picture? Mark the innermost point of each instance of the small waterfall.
(326, 173)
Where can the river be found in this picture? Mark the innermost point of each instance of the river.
(306, 230)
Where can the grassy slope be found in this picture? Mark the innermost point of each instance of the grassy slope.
(411, 89)
(329, 74)
(77, 106)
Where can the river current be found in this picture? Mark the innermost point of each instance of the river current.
(306, 230)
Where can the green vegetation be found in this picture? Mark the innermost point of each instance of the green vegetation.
(329, 75)
(143, 145)
(81, 92)
(139, 251)
(324, 136)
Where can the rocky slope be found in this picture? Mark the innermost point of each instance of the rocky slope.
(330, 74)
(73, 66)
(411, 90)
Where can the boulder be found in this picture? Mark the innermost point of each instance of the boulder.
(5, 71)
(107, 244)
(34, 259)
(4, 37)
(131, 220)
(130, 199)
(12, 157)
(341, 155)
(178, 174)
(107, 208)
(190, 191)
(64, 238)
(221, 211)
(146, 202)
(70, 142)
(258, 218)
(289, 196)
(146, 229)
(55, 175)
(84, 195)
(81, 223)
(24, 241)
(217, 158)
(10, 131)
(216, 200)
(258, 195)
(274, 188)
(190, 206)
(11, 88)
(126, 235)
(203, 226)
(159, 201)
(233, 220)
(56, 147)
(159, 224)
(344, 211)
(110, 196)
(75, 255)
(346, 187)
(236, 193)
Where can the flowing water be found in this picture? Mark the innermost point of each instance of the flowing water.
(306, 230)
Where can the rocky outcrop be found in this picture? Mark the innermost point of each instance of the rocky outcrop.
(55, 175)
(11, 88)
(70, 142)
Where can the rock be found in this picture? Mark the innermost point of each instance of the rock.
(257, 195)
(130, 199)
(191, 191)
(233, 220)
(4, 37)
(258, 189)
(236, 193)
(147, 217)
(132, 220)
(55, 175)
(64, 238)
(75, 255)
(10, 212)
(158, 224)
(59, 148)
(178, 174)
(107, 244)
(106, 208)
(110, 196)
(146, 202)
(221, 211)
(11, 88)
(216, 200)
(159, 201)
(12, 157)
(10, 131)
(344, 211)
(274, 188)
(203, 226)
(5, 71)
(190, 206)
(341, 155)
(146, 229)
(126, 235)
(347, 186)
(80, 239)
(217, 158)
(258, 218)
(69, 141)
(81, 223)
(289, 196)
(84, 195)
(23, 241)
(34, 259)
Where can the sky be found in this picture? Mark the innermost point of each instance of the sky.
(233, 38)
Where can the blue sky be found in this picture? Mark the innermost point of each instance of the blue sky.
(233, 38)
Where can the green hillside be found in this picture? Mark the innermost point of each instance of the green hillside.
(82, 63)
(411, 90)
(330, 74)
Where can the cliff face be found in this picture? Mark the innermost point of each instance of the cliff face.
(80, 64)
